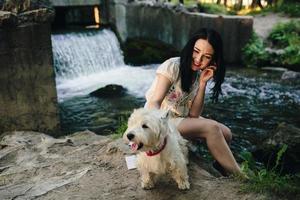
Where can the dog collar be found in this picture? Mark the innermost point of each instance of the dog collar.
(153, 153)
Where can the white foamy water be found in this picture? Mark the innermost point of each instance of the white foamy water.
(136, 79)
(275, 93)
(85, 53)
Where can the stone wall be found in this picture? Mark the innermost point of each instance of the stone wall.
(175, 25)
(78, 12)
(68, 3)
(27, 82)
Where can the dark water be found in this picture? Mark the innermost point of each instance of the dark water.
(252, 106)
(102, 116)
(254, 101)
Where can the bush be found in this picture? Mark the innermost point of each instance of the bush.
(291, 57)
(254, 53)
(284, 34)
(287, 37)
(290, 8)
(285, 48)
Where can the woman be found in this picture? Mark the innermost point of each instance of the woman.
(180, 85)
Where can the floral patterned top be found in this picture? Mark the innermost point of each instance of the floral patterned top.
(176, 100)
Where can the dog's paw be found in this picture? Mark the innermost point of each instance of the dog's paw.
(185, 185)
(148, 185)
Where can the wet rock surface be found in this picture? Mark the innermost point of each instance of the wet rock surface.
(109, 91)
(284, 134)
(88, 166)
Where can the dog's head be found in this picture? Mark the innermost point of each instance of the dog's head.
(147, 128)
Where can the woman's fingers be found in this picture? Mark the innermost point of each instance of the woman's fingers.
(207, 74)
(214, 68)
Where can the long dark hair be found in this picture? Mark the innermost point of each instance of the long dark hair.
(187, 74)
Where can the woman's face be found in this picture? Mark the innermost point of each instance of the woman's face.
(202, 55)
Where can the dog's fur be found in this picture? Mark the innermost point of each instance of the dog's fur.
(148, 128)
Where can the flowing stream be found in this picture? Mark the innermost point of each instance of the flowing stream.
(254, 101)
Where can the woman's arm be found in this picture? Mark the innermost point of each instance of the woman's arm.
(198, 102)
(160, 91)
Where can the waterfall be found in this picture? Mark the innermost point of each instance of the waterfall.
(85, 53)
(86, 61)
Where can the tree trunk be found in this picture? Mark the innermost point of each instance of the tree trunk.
(256, 3)
(240, 4)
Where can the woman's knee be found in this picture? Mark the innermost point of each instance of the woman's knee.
(226, 132)
(214, 129)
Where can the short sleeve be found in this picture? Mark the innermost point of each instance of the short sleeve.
(169, 69)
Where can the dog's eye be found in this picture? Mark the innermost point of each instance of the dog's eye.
(144, 126)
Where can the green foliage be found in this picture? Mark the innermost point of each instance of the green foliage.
(121, 128)
(287, 37)
(286, 7)
(254, 53)
(186, 2)
(262, 12)
(284, 34)
(279, 155)
(289, 8)
(213, 8)
(262, 179)
(291, 56)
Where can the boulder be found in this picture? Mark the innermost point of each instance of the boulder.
(290, 75)
(268, 149)
(110, 91)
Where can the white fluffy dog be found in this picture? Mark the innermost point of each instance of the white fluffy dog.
(161, 148)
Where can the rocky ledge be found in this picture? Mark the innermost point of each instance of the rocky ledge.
(14, 13)
(88, 166)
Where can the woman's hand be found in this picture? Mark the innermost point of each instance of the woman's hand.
(207, 74)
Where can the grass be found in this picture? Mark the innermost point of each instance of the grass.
(269, 180)
(121, 128)
(186, 2)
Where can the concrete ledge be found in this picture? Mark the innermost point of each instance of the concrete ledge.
(28, 96)
(66, 3)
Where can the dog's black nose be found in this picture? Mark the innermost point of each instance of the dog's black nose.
(130, 136)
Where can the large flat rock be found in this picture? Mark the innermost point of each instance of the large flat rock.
(88, 166)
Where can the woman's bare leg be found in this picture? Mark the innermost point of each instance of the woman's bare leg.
(226, 132)
(211, 131)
